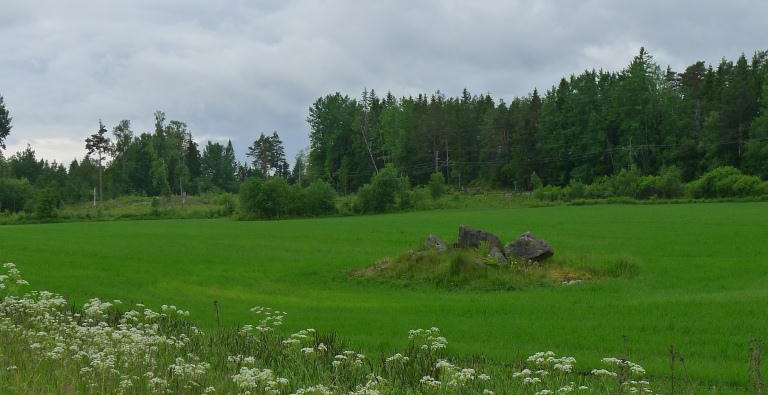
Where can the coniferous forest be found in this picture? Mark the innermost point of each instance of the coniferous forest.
(586, 126)
(644, 119)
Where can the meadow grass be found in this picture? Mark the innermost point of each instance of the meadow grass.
(475, 268)
(134, 208)
(702, 284)
(48, 345)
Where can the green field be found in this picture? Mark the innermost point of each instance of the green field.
(703, 282)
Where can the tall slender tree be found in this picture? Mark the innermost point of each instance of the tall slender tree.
(99, 144)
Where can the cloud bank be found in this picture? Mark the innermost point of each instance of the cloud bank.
(234, 69)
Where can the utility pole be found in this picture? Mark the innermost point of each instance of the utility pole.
(182, 151)
(101, 174)
(364, 129)
(447, 162)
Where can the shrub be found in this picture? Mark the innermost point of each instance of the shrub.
(536, 181)
(15, 195)
(422, 198)
(549, 193)
(249, 197)
(647, 187)
(575, 190)
(228, 204)
(319, 198)
(274, 198)
(46, 203)
(436, 185)
(364, 202)
(381, 194)
(670, 183)
(296, 201)
(626, 183)
(746, 186)
(725, 181)
(272, 201)
(404, 194)
(599, 189)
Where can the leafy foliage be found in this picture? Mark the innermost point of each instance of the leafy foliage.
(436, 185)
(15, 194)
(381, 194)
(47, 203)
(275, 198)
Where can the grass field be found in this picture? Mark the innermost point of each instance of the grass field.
(702, 286)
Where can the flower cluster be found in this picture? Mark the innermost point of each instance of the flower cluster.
(371, 387)
(13, 277)
(458, 377)
(348, 359)
(262, 381)
(102, 351)
(428, 339)
(314, 390)
(303, 336)
(173, 310)
(549, 360)
(624, 364)
(397, 358)
(549, 374)
(270, 319)
(627, 374)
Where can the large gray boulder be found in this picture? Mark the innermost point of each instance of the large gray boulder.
(435, 242)
(528, 248)
(497, 254)
(472, 238)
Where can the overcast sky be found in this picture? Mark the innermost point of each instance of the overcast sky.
(232, 69)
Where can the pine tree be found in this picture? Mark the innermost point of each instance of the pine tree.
(260, 152)
(192, 160)
(5, 123)
(268, 156)
(277, 156)
(299, 173)
(229, 168)
(99, 144)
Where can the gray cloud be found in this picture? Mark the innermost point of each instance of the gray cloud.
(234, 69)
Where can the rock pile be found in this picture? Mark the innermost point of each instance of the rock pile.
(525, 248)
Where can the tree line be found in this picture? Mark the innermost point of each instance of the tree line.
(585, 128)
(589, 125)
(162, 162)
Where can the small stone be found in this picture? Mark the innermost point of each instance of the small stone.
(435, 242)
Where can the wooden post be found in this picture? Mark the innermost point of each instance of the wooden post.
(218, 315)
(672, 368)
(756, 357)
